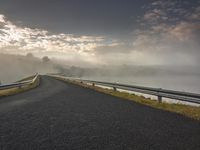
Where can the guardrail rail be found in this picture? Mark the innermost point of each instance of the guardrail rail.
(19, 84)
(160, 93)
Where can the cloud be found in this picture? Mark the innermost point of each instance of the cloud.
(16, 39)
(196, 14)
(171, 11)
(167, 33)
(184, 31)
(155, 15)
(2, 18)
(114, 47)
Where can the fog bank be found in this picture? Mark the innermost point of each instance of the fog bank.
(16, 67)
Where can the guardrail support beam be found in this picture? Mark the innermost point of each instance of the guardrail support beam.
(160, 99)
(20, 84)
(158, 92)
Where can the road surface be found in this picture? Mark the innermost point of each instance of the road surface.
(57, 115)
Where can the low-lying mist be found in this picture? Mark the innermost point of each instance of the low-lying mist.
(177, 77)
(16, 67)
(182, 78)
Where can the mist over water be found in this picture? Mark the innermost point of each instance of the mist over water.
(190, 83)
(181, 78)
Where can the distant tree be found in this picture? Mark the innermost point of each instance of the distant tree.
(29, 55)
(45, 59)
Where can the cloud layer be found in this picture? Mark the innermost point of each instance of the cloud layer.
(21, 40)
(168, 32)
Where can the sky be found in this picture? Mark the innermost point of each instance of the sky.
(103, 32)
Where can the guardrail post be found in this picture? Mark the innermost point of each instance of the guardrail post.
(159, 99)
(93, 84)
(114, 88)
(20, 86)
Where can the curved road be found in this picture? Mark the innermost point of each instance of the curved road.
(57, 115)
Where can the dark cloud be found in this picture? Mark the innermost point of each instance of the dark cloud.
(92, 17)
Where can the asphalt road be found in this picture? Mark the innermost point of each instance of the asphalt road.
(57, 115)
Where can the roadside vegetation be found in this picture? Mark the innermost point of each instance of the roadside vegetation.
(186, 110)
(16, 90)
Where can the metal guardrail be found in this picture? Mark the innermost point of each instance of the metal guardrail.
(19, 84)
(160, 93)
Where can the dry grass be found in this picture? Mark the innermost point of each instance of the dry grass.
(186, 110)
(16, 90)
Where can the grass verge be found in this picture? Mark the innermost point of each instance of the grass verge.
(186, 110)
(16, 90)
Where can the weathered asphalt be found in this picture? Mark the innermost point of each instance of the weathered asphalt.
(57, 115)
